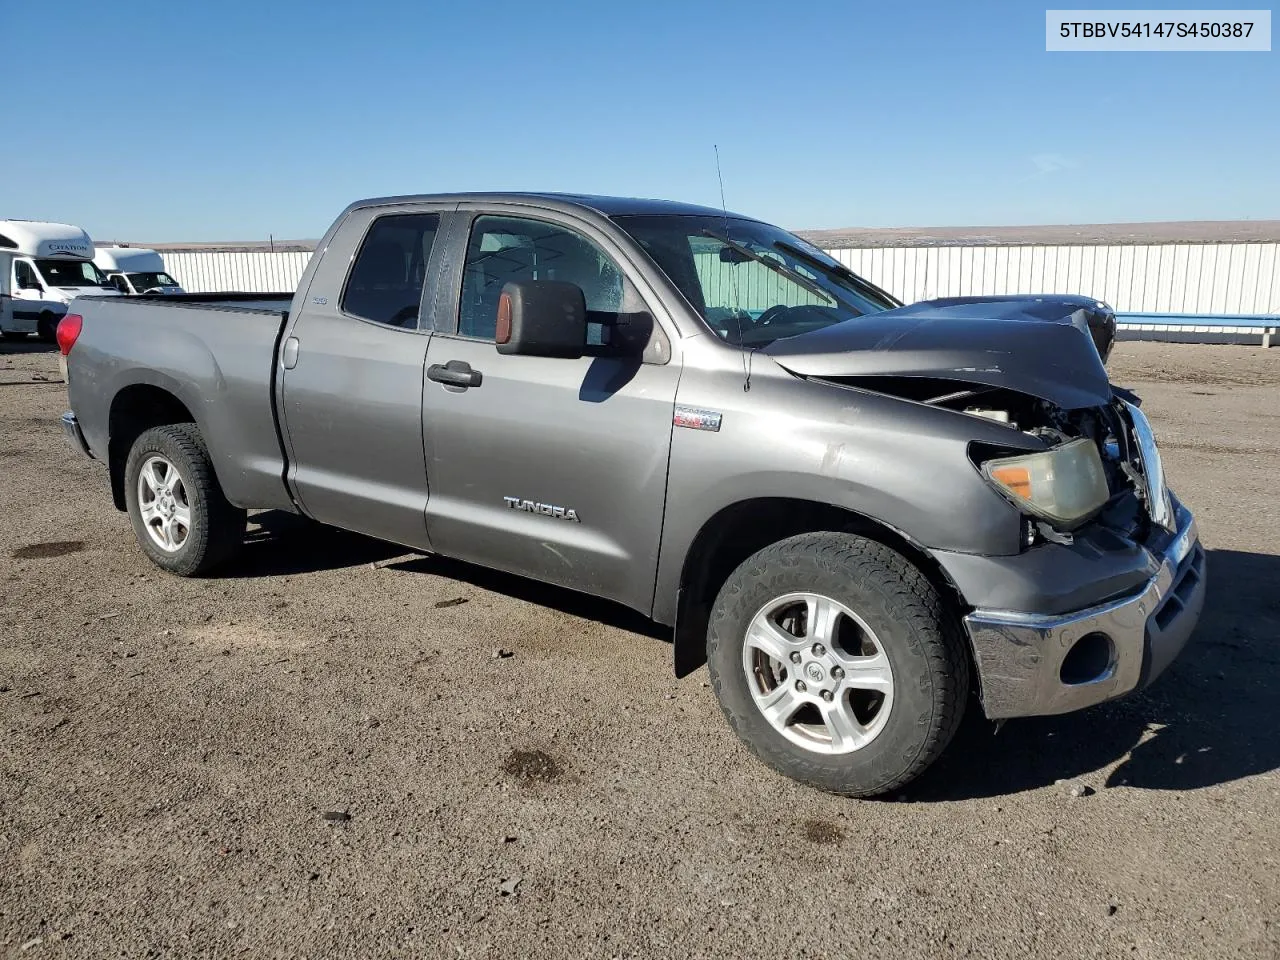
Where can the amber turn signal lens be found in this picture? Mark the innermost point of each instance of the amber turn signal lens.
(503, 333)
(1017, 480)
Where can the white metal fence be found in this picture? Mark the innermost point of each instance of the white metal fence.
(201, 271)
(1205, 278)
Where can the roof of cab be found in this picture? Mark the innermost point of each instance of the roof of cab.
(128, 259)
(609, 206)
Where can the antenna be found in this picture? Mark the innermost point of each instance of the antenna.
(720, 177)
(733, 282)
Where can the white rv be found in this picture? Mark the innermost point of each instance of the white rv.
(45, 266)
(133, 270)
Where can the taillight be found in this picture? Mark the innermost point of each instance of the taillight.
(68, 330)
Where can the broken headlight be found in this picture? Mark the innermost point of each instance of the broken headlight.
(1065, 485)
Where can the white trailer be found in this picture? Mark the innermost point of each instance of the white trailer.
(45, 266)
(135, 270)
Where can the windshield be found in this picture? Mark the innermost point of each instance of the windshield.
(146, 281)
(753, 283)
(70, 273)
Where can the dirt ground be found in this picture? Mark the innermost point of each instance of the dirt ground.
(319, 754)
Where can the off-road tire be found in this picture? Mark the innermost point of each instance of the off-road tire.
(217, 528)
(912, 625)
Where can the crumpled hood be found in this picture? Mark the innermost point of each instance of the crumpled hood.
(1041, 346)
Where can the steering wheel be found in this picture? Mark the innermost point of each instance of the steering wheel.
(773, 313)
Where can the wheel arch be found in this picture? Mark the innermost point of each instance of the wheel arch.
(740, 529)
(134, 410)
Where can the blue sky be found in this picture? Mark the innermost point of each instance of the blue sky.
(235, 120)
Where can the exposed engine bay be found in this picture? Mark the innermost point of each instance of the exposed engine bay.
(1107, 427)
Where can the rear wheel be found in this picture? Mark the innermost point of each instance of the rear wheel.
(836, 663)
(47, 327)
(180, 516)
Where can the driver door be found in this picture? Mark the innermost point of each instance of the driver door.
(27, 286)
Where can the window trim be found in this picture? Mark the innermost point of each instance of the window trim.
(460, 239)
(379, 213)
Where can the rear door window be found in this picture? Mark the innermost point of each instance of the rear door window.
(390, 269)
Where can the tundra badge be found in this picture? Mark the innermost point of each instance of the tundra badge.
(546, 509)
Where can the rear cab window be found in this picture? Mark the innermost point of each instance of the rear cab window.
(390, 269)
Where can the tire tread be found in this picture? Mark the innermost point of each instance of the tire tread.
(221, 533)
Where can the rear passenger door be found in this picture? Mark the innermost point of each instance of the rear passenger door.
(351, 375)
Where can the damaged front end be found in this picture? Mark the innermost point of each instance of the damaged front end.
(1032, 364)
(1050, 348)
(1102, 455)
(1108, 581)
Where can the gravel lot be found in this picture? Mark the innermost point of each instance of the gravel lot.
(319, 754)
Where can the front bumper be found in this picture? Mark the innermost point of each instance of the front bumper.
(75, 436)
(1038, 664)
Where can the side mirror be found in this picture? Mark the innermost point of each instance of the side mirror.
(33, 285)
(542, 318)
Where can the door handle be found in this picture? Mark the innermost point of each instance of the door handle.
(289, 353)
(455, 373)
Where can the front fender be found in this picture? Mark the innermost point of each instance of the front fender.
(902, 464)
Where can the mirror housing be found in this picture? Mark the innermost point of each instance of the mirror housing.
(542, 318)
(730, 255)
(33, 285)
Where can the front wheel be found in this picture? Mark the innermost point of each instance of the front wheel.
(835, 662)
(180, 516)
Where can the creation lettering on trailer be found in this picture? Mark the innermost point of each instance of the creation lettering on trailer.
(75, 247)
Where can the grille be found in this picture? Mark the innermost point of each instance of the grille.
(1189, 574)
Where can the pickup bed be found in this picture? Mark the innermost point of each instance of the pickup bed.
(859, 514)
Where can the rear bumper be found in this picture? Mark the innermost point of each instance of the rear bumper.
(1033, 664)
(75, 436)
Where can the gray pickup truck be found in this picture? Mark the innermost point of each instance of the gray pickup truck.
(858, 514)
